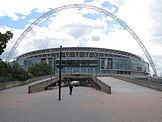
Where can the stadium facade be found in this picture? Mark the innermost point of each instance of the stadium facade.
(87, 60)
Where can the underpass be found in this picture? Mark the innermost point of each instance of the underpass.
(84, 80)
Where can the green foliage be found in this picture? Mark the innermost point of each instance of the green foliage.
(3, 68)
(40, 69)
(30, 75)
(17, 71)
(12, 71)
(4, 38)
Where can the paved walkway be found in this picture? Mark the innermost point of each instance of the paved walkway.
(127, 103)
(122, 87)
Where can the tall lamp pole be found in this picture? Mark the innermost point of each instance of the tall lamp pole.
(60, 67)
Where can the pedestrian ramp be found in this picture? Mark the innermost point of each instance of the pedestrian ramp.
(120, 86)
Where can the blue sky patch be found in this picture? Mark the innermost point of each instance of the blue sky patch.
(21, 22)
(112, 23)
(110, 6)
(93, 16)
(45, 21)
(112, 26)
(100, 15)
(88, 1)
(107, 5)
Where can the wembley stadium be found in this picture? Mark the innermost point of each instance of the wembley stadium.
(87, 60)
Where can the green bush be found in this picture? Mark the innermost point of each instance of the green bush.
(40, 69)
(30, 75)
(11, 72)
(4, 79)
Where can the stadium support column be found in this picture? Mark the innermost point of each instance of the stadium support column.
(60, 67)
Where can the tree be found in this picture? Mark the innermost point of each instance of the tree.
(11, 72)
(4, 38)
(17, 71)
(40, 69)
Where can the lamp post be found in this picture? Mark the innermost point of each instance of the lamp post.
(60, 67)
(97, 65)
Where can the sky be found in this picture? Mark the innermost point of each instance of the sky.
(84, 27)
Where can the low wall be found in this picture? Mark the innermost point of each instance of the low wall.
(104, 87)
(148, 84)
(18, 83)
(41, 86)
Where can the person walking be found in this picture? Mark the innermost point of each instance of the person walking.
(70, 88)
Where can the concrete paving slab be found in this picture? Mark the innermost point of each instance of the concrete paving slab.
(85, 105)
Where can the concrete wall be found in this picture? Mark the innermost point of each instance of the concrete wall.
(104, 87)
(18, 83)
(41, 86)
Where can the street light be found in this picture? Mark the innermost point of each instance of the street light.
(60, 67)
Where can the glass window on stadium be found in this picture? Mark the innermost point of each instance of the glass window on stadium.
(78, 63)
(140, 66)
(122, 64)
(28, 62)
(105, 63)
